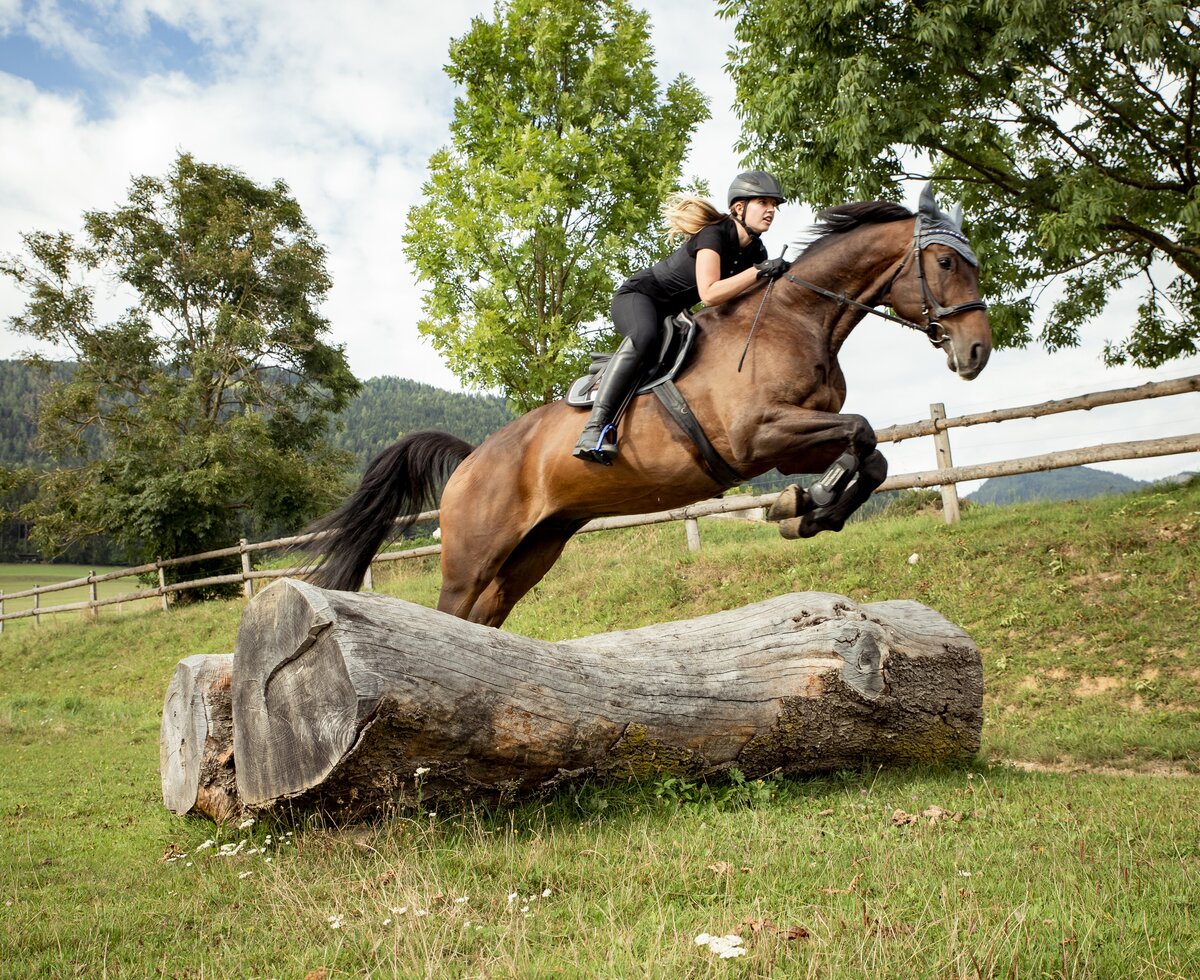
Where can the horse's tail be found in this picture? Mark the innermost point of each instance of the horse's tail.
(399, 482)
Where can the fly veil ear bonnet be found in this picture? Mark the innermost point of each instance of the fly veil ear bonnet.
(939, 228)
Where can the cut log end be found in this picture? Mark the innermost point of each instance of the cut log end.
(196, 739)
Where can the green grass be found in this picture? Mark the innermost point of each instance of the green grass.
(19, 576)
(1086, 615)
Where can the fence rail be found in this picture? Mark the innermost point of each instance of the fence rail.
(946, 476)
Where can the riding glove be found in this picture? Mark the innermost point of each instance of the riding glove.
(772, 268)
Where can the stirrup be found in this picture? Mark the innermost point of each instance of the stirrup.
(599, 453)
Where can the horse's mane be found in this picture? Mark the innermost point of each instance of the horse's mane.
(836, 221)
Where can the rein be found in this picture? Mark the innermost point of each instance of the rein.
(929, 304)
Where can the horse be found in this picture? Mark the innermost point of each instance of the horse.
(764, 384)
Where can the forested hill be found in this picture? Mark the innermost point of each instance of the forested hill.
(1071, 483)
(384, 410)
(388, 408)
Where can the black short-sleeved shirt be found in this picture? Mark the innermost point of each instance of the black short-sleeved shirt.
(671, 283)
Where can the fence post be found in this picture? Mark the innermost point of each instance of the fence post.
(37, 604)
(94, 594)
(941, 442)
(162, 583)
(247, 583)
(693, 533)
(1, 612)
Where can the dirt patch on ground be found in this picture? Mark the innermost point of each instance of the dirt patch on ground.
(1089, 687)
(1166, 770)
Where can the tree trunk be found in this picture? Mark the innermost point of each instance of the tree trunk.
(195, 743)
(347, 701)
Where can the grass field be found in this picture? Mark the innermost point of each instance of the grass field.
(19, 576)
(1087, 864)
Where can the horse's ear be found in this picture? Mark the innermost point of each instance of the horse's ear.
(928, 205)
(956, 216)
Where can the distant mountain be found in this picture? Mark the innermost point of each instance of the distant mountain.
(1071, 483)
(388, 408)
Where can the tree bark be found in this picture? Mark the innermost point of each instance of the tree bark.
(347, 702)
(195, 743)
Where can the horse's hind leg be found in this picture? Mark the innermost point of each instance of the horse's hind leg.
(525, 566)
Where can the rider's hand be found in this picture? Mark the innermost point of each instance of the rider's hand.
(772, 268)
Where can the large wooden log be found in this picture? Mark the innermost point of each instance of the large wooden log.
(346, 701)
(195, 742)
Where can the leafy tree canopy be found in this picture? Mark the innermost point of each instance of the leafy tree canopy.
(1069, 127)
(561, 154)
(198, 413)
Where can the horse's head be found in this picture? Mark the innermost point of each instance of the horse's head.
(937, 286)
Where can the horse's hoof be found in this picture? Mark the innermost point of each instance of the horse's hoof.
(790, 528)
(806, 526)
(791, 502)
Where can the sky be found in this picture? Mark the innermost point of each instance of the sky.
(347, 102)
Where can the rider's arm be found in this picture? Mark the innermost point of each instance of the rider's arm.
(713, 289)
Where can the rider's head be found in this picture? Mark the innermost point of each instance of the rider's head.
(749, 187)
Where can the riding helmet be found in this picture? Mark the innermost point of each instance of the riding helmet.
(755, 183)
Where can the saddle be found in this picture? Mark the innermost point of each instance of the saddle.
(679, 335)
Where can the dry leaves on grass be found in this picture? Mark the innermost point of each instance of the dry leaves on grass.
(933, 814)
(790, 934)
(724, 868)
(843, 891)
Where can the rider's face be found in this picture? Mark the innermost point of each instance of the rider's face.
(759, 212)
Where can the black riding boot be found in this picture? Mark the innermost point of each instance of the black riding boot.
(598, 443)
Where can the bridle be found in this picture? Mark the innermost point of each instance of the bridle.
(932, 328)
(931, 310)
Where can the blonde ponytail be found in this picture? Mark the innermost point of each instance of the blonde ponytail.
(684, 215)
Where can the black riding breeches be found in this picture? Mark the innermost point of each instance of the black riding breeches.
(637, 316)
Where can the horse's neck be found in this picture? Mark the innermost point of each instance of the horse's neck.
(858, 268)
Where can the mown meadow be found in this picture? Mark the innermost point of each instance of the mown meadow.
(1069, 848)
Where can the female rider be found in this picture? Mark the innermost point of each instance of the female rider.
(721, 259)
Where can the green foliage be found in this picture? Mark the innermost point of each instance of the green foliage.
(1069, 128)
(199, 413)
(562, 151)
(388, 408)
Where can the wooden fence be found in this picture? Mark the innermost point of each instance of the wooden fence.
(946, 475)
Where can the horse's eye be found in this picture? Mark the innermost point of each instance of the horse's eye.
(945, 261)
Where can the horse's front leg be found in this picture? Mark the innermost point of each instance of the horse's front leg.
(802, 441)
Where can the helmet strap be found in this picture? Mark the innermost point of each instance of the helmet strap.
(741, 220)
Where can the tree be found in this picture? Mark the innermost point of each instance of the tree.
(1069, 126)
(200, 411)
(561, 154)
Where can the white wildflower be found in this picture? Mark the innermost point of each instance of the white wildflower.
(335, 922)
(245, 874)
(387, 922)
(208, 843)
(398, 909)
(420, 771)
(914, 558)
(546, 893)
(422, 912)
(463, 900)
(512, 897)
(726, 947)
(248, 822)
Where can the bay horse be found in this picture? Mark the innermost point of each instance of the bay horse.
(509, 506)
